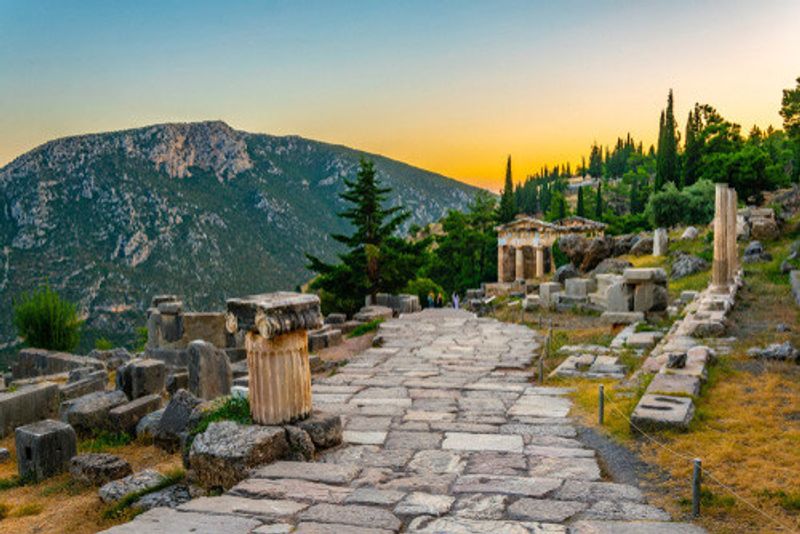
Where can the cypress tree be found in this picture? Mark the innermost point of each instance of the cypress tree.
(598, 207)
(693, 147)
(507, 208)
(667, 155)
(634, 199)
(580, 208)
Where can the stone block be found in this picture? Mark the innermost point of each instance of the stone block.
(112, 358)
(349, 326)
(147, 425)
(580, 287)
(44, 449)
(660, 241)
(690, 233)
(210, 374)
(662, 412)
(177, 380)
(640, 275)
(325, 429)
(27, 404)
(222, 456)
(649, 297)
(548, 292)
(89, 413)
(141, 481)
(643, 340)
(98, 468)
(674, 384)
(610, 317)
(95, 381)
(173, 427)
(125, 417)
(39, 362)
(336, 318)
(371, 313)
(205, 326)
(324, 338)
(172, 357)
(619, 298)
(142, 377)
(273, 314)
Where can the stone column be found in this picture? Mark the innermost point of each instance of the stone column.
(539, 262)
(719, 271)
(660, 240)
(519, 265)
(733, 263)
(501, 260)
(276, 342)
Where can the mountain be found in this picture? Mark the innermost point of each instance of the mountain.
(199, 209)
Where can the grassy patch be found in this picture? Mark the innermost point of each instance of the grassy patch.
(235, 409)
(4, 509)
(32, 508)
(365, 328)
(105, 441)
(11, 482)
(124, 509)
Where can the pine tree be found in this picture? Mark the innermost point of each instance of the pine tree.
(507, 208)
(580, 208)
(598, 207)
(693, 147)
(596, 162)
(667, 154)
(376, 260)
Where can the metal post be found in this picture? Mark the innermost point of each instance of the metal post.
(541, 370)
(601, 404)
(696, 479)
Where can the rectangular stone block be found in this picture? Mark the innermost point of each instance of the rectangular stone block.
(142, 377)
(660, 412)
(547, 292)
(672, 384)
(125, 417)
(44, 449)
(619, 298)
(27, 405)
(638, 275)
(622, 317)
(462, 441)
(208, 326)
(95, 381)
(580, 287)
(89, 413)
(38, 362)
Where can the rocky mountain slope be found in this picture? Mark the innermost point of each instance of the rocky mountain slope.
(199, 209)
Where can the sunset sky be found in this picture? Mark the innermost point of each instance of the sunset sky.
(450, 86)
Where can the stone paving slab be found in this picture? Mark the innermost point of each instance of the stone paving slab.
(443, 433)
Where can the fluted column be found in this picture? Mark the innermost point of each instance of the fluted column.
(539, 262)
(733, 264)
(719, 271)
(519, 264)
(501, 262)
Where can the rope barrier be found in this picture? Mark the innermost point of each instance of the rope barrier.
(705, 471)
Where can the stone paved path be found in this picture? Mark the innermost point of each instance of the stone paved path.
(444, 434)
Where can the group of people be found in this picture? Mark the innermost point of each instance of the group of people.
(437, 300)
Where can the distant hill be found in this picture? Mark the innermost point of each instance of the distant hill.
(199, 209)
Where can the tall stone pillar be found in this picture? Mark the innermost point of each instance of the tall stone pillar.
(733, 264)
(501, 262)
(719, 271)
(539, 262)
(519, 265)
(276, 341)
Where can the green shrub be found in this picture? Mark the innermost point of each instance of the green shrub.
(46, 321)
(422, 287)
(235, 409)
(103, 344)
(141, 339)
(558, 255)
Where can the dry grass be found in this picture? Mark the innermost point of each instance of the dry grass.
(58, 505)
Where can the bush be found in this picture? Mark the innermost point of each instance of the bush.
(103, 344)
(421, 287)
(670, 207)
(46, 321)
(559, 257)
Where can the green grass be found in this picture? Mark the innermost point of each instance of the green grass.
(789, 501)
(12, 482)
(23, 510)
(235, 409)
(4, 509)
(365, 328)
(708, 499)
(105, 441)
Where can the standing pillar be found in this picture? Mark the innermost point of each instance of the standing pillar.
(501, 262)
(519, 265)
(276, 341)
(719, 271)
(733, 265)
(539, 262)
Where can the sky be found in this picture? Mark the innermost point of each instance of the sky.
(450, 86)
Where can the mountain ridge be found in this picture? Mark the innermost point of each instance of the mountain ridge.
(199, 209)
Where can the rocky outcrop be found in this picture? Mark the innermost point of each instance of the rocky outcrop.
(98, 468)
(686, 264)
(777, 351)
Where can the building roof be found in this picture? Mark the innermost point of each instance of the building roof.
(567, 224)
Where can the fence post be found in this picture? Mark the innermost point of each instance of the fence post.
(696, 480)
(601, 404)
(541, 369)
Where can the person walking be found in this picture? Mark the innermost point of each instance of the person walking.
(431, 298)
(439, 300)
(455, 301)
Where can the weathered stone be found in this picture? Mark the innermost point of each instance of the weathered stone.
(564, 273)
(544, 510)
(310, 527)
(418, 503)
(173, 427)
(611, 266)
(39, 362)
(619, 298)
(570, 468)
(764, 228)
(672, 384)
(353, 514)
(660, 242)
(292, 489)
(413, 440)
(379, 497)
(480, 506)
(372, 313)
(325, 429)
(482, 442)
(642, 247)
(597, 250)
(336, 318)
(580, 287)
(221, 456)
(89, 413)
(210, 373)
(113, 358)
(168, 520)
(126, 417)
(676, 360)
(326, 473)
(140, 377)
(324, 338)
(777, 351)
(436, 461)
(44, 449)
(301, 446)
(177, 380)
(268, 509)
(93, 382)
(148, 425)
(658, 412)
(27, 404)
(689, 233)
(170, 497)
(507, 485)
(611, 510)
(633, 527)
(685, 264)
(654, 275)
(98, 468)
(547, 293)
(580, 490)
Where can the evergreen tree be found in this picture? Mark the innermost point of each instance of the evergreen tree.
(580, 208)
(595, 169)
(693, 147)
(634, 198)
(598, 206)
(376, 260)
(507, 208)
(790, 111)
(667, 153)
